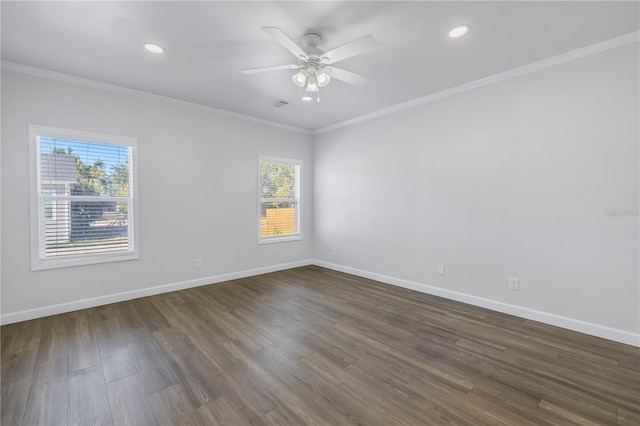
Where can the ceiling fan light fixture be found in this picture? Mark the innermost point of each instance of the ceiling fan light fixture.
(307, 98)
(312, 84)
(300, 78)
(459, 31)
(323, 77)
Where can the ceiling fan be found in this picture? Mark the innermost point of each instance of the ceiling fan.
(315, 65)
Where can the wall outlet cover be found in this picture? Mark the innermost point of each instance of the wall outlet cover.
(514, 284)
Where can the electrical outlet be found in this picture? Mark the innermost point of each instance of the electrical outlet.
(334, 250)
(440, 269)
(198, 262)
(514, 284)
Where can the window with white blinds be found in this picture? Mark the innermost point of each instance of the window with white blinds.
(279, 199)
(83, 200)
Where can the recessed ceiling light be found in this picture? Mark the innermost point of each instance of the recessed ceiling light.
(154, 48)
(459, 31)
(307, 98)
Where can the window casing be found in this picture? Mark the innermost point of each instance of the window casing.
(83, 197)
(279, 199)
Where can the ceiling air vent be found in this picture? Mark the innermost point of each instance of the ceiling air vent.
(280, 103)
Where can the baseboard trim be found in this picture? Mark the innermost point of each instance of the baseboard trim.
(519, 311)
(75, 305)
(597, 330)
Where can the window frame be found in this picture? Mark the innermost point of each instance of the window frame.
(37, 208)
(288, 237)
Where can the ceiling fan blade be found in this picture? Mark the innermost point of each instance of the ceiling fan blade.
(278, 35)
(273, 68)
(346, 76)
(356, 47)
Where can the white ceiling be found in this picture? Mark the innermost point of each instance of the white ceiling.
(207, 43)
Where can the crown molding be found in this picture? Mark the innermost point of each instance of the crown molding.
(67, 78)
(613, 43)
(582, 52)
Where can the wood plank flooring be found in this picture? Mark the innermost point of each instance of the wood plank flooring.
(309, 346)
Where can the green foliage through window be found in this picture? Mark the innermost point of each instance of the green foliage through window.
(279, 198)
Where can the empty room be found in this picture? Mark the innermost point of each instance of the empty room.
(320, 213)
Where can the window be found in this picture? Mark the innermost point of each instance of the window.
(280, 208)
(83, 203)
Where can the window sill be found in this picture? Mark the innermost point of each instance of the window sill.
(270, 240)
(46, 264)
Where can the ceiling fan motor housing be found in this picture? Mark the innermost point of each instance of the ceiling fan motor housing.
(311, 41)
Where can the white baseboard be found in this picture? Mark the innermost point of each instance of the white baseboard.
(544, 317)
(75, 305)
(519, 311)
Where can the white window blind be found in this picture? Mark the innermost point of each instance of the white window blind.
(83, 204)
(279, 199)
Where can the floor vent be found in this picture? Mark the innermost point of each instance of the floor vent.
(280, 103)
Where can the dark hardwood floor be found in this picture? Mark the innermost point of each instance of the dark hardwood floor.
(309, 346)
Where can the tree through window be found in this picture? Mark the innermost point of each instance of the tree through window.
(84, 198)
(279, 199)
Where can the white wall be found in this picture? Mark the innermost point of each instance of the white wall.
(512, 179)
(197, 188)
